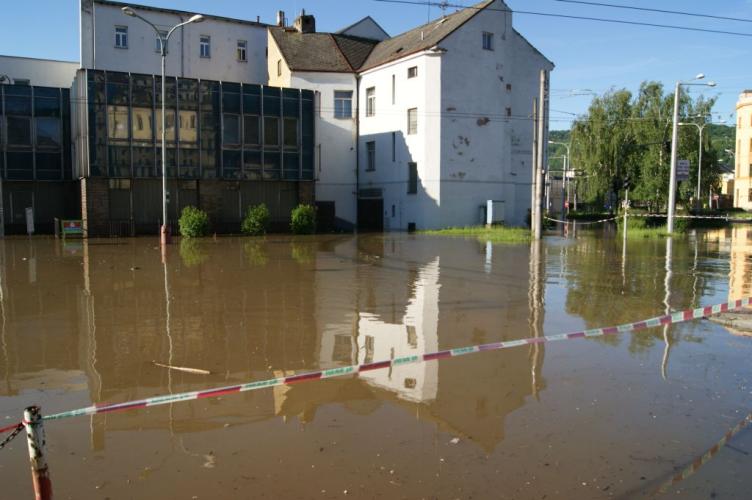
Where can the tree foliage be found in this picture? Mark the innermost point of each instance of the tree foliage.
(627, 137)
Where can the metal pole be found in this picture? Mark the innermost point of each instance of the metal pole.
(699, 169)
(164, 232)
(674, 152)
(40, 473)
(533, 176)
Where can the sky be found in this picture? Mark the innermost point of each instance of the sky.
(588, 55)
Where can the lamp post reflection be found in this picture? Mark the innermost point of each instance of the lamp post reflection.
(667, 304)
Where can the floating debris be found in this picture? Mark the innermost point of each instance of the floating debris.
(197, 371)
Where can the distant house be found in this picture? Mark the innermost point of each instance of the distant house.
(417, 131)
(742, 185)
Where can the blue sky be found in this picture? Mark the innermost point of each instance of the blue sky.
(588, 55)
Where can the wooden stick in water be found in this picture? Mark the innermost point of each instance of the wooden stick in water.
(184, 369)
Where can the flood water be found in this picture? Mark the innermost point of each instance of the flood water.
(84, 322)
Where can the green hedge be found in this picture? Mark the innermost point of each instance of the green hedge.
(256, 220)
(303, 219)
(193, 222)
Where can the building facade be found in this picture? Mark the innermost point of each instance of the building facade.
(233, 50)
(37, 72)
(743, 156)
(229, 146)
(429, 150)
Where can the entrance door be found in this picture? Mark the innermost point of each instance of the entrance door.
(371, 214)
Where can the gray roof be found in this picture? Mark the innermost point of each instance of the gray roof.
(321, 51)
(421, 38)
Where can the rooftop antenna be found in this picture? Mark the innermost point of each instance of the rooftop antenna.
(443, 6)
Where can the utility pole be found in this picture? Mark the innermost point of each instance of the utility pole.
(541, 148)
(533, 175)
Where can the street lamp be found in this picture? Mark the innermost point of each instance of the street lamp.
(565, 182)
(700, 128)
(163, 39)
(675, 149)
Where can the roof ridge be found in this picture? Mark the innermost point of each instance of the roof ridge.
(341, 52)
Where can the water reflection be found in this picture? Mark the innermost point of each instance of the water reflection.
(96, 315)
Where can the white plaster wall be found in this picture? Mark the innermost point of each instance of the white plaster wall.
(98, 49)
(475, 135)
(335, 143)
(39, 72)
(422, 92)
(743, 156)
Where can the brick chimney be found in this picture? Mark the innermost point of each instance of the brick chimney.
(305, 23)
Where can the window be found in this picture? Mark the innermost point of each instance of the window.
(18, 130)
(242, 51)
(187, 125)
(509, 87)
(343, 104)
(251, 130)
(369, 350)
(412, 72)
(487, 41)
(121, 37)
(412, 121)
(412, 178)
(142, 126)
(117, 122)
(291, 133)
(271, 131)
(48, 132)
(749, 195)
(169, 125)
(394, 146)
(205, 44)
(509, 111)
(230, 129)
(394, 89)
(370, 101)
(158, 41)
(279, 67)
(21, 81)
(371, 156)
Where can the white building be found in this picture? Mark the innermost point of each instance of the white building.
(423, 127)
(37, 72)
(218, 48)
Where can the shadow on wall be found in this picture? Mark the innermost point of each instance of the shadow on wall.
(392, 192)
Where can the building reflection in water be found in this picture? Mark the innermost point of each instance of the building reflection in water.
(105, 309)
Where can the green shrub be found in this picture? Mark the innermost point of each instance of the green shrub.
(193, 222)
(303, 219)
(256, 220)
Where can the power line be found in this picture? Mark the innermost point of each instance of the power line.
(581, 18)
(660, 11)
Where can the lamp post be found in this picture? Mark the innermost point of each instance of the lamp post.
(675, 149)
(565, 182)
(700, 128)
(163, 39)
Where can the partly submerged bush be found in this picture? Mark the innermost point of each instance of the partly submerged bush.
(256, 220)
(193, 222)
(303, 219)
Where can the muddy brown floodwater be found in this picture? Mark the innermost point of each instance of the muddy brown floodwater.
(84, 322)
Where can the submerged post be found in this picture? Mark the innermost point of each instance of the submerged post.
(40, 474)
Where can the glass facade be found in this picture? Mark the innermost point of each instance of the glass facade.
(34, 133)
(220, 130)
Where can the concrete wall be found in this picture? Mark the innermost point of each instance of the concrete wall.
(98, 51)
(334, 150)
(39, 72)
(743, 167)
(424, 93)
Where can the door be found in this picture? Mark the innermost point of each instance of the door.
(371, 214)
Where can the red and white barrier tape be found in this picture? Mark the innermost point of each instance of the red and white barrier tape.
(667, 319)
(581, 223)
(707, 456)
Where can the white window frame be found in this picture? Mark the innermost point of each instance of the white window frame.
(412, 125)
(242, 50)
(371, 101)
(158, 41)
(371, 156)
(207, 43)
(121, 37)
(488, 40)
(343, 115)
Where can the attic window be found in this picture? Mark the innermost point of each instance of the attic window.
(398, 50)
